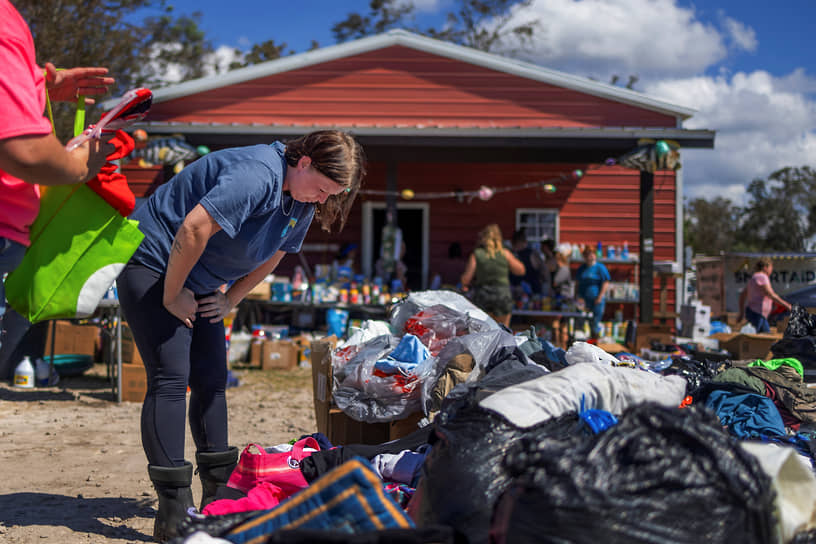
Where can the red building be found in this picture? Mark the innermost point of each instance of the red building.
(444, 120)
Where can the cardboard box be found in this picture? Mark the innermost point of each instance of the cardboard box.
(269, 354)
(613, 348)
(344, 430)
(262, 291)
(339, 428)
(751, 346)
(130, 353)
(321, 380)
(134, 383)
(647, 333)
(70, 338)
(280, 354)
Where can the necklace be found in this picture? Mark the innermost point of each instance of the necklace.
(283, 209)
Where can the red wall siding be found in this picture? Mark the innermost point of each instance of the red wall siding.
(399, 86)
(604, 205)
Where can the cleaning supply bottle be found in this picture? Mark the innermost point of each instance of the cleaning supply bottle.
(42, 371)
(625, 251)
(24, 374)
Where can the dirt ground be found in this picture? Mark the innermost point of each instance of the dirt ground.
(72, 467)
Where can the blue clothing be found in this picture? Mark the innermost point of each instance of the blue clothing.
(759, 321)
(746, 415)
(241, 188)
(590, 279)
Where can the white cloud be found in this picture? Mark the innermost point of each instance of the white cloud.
(762, 124)
(742, 36)
(219, 61)
(598, 38)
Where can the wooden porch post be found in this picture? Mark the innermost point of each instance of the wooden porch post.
(646, 262)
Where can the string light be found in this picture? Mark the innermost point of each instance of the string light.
(483, 193)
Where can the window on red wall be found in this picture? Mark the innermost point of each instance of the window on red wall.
(538, 224)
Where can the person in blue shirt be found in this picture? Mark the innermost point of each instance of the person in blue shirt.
(593, 279)
(226, 220)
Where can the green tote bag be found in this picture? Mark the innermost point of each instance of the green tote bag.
(79, 245)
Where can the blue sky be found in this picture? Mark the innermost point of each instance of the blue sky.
(747, 67)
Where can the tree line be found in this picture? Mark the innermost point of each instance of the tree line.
(779, 216)
(141, 41)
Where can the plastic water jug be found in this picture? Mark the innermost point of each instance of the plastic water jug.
(42, 371)
(24, 374)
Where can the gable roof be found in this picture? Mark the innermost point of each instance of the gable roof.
(427, 45)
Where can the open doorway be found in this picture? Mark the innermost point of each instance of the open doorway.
(412, 219)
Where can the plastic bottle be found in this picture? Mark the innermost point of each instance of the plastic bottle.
(24, 374)
(599, 250)
(42, 371)
(625, 251)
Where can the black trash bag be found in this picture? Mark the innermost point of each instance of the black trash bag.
(697, 373)
(801, 323)
(799, 340)
(463, 475)
(659, 475)
(802, 348)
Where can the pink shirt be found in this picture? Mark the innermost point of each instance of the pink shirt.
(22, 103)
(758, 301)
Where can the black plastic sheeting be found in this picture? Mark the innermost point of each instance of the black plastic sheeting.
(463, 475)
(660, 475)
(697, 373)
(799, 339)
(801, 323)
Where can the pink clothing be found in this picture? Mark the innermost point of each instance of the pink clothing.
(263, 496)
(22, 103)
(757, 300)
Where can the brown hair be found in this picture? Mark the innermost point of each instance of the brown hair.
(339, 157)
(490, 238)
(761, 264)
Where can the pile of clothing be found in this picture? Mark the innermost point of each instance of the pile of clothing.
(528, 443)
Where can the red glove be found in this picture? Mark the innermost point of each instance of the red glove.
(112, 185)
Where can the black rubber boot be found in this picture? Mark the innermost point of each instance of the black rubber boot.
(215, 468)
(175, 497)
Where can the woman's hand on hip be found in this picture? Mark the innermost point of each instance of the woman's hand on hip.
(215, 306)
(184, 307)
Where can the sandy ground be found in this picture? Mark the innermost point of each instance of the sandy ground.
(72, 467)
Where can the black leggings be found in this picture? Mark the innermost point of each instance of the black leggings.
(175, 356)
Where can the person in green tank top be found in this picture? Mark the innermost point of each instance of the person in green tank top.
(487, 275)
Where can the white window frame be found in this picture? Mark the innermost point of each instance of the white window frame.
(539, 211)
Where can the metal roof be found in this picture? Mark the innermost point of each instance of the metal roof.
(476, 136)
(428, 45)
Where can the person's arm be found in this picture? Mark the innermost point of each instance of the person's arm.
(43, 160)
(768, 290)
(188, 246)
(218, 306)
(467, 275)
(516, 266)
(602, 292)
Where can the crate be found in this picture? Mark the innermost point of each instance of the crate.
(134, 382)
(273, 354)
(338, 427)
(70, 338)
